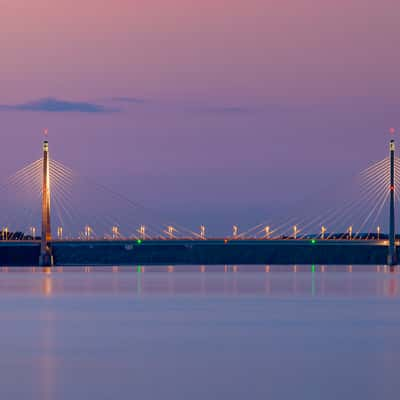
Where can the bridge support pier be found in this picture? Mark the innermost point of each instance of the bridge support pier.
(392, 256)
(46, 260)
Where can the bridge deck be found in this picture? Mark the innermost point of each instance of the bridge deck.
(187, 251)
(167, 242)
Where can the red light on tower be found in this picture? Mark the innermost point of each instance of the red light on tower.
(392, 131)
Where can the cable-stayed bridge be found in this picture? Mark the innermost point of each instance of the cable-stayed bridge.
(54, 217)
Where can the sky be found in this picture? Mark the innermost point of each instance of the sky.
(211, 112)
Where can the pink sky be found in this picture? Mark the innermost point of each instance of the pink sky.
(229, 91)
(258, 49)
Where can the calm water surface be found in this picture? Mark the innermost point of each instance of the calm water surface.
(215, 332)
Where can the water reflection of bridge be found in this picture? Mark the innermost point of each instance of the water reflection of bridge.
(264, 280)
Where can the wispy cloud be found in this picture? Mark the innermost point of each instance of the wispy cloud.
(226, 110)
(249, 109)
(55, 105)
(132, 100)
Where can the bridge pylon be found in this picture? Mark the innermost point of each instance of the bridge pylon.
(392, 255)
(46, 256)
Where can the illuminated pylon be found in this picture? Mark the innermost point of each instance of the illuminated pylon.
(60, 232)
(392, 256)
(46, 257)
(378, 232)
(323, 230)
(295, 232)
(202, 231)
(235, 231)
(33, 232)
(267, 232)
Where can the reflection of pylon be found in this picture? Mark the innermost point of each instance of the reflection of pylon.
(46, 257)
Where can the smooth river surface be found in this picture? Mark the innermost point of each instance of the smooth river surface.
(195, 332)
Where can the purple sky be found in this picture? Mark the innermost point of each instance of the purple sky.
(214, 112)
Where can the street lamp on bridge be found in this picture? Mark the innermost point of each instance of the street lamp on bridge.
(115, 232)
(170, 231)
(235, 231)
(350, 231)
(4, 233)
(142, 232)
(202, 231)
(88, 232)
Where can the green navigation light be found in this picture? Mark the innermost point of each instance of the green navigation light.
(313, 241)
(138, 241)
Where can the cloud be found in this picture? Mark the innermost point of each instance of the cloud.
(226, 110)
(268, 108)
(51, 104)
(132, 100)
(222, 110)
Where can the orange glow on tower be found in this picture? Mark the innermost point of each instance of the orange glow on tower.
(46, 258)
